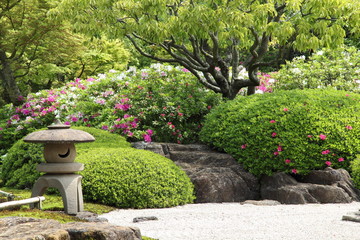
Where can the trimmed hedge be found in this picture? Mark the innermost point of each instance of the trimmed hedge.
(18, 169)
(115, 174)
(131, 178)
(288, 131)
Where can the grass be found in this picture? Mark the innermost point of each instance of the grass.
(51, 207)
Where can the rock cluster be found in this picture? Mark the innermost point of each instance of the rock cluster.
(319, 186)
(217, 177)
(21, 228)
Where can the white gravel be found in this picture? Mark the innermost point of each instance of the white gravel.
(233, 221)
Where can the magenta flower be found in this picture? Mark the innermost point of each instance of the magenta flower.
(104, 127)
(272, 121)
(328, 163)
(322, 136)
(287, 161)
(147, 138)
(273, 134)
(150, 132)
(276, 153)
(286, 109)
(341, 159)
(325, 152)
(162, 115)
(243, 146)
(279, 148)
(309, 136)
(349, 127)
(294, 171)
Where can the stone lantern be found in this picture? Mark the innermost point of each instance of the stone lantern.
(60, 168)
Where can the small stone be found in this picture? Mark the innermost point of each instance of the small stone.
(143, 219)
(262, 202)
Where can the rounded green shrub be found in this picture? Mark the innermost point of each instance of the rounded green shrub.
(18, 169)
(293, 131)
(131, 178)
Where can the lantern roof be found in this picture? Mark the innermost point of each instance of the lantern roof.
(59, 133)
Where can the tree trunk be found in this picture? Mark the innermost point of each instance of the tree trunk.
(8, 79)
(251, 90)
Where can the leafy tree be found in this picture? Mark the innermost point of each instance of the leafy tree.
(37, 52)
(24, 27)
(208, 37)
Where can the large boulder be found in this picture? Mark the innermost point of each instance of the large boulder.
(21, 228)
(319, 186)
(217, 177)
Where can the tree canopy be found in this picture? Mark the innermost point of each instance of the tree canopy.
(218, 39)
(38, 52)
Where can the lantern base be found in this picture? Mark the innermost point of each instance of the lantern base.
(69, 186)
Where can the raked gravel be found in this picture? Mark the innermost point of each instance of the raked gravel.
(235, 221)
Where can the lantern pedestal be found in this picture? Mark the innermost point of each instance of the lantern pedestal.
(69, 186)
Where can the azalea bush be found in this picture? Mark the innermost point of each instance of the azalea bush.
(161, 103)
(292, 131)
(338, 68)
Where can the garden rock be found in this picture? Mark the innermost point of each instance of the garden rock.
(320, 186)
(217, 177)
(21, 228)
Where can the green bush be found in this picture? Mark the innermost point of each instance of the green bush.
(327, 68)
(355, 171)
(292, 131)
(131, 178)
(115, 174)
(18, 168)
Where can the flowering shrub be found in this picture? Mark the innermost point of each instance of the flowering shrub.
(292, 131)
(161, 103)
(336, 68)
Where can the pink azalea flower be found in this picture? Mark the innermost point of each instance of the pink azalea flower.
(67, 123)
(294, 171)
(273, 134)
(341, 159)
(150, 132)
(309, 136)
(349, 127)
(162, 115)
(104, 127)
(209, 107)
(243, 146)
(286, 109)
(328, 163)
(272, 121)
(147, 138)
(279, 148)
(325, 152)
(322, 136)
(287, 161)
(276, 153)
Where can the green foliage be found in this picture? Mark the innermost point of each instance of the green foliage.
(216, 39)
(19, 165)
(131, 178)
(162, 102)
(114, 174)
(292, 131)
(337, 68)
(355, 171)
(18, 169)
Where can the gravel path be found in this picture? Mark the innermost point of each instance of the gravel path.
(233, 221)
